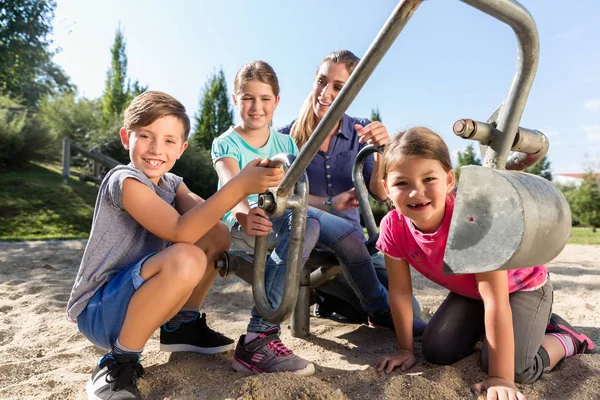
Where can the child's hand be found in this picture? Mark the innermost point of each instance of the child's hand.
(404, 359)
(497, 389)
(374, 133)
(257, 223)
(257, 177)
(345, 201)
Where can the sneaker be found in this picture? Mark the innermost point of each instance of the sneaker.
(194, 336)
(267, 354)
(321, 312)
(385, 320)
(115, 378)
(558, 325)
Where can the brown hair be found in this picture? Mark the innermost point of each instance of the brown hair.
(307, 121)
(152, 105)
(256, 70)
(420, 142)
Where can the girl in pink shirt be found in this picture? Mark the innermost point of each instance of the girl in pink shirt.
(509, 310)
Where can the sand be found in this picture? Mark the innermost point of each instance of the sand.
(43, 356)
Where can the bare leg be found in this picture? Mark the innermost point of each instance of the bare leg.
(554, 348)
(170, 278)
(214, 243)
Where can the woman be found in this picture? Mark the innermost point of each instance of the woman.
(362, 290)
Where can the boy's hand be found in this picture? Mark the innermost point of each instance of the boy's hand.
(497, 389)
(256, 177)
(375, 133)
(345, 201)
(404, 359)
(257, 223)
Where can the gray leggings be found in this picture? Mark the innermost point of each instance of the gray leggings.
(458, 325)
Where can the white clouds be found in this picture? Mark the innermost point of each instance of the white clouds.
(592, 104)
(592, 132)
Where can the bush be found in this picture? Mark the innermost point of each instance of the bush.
(22, 137)
(195, 167)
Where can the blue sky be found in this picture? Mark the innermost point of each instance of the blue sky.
(450, 62)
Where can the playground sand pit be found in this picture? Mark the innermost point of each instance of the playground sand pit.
(43, 356)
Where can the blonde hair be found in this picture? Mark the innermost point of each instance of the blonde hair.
(256, 70)
(418, 141)
(307, 121)
(152, 105)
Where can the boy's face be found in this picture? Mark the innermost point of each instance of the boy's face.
(153, 149)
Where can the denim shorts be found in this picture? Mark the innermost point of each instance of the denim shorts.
(102, 319)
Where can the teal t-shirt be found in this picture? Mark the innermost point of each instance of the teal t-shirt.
(231, 144)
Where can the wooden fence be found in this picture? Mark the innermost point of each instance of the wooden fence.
(98, 159)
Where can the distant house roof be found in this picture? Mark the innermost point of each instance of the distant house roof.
(572, 178)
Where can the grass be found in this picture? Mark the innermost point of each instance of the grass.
(36, 205)
(584, 236)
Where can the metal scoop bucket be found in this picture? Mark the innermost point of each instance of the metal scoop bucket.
(505, 220)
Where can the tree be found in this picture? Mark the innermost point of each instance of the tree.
(585, 201)
(116, 93)
(215, 115)
(467, 157)
(27, 72)
(375, 116)
(541, 168)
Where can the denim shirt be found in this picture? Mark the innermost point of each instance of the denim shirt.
(330, 173)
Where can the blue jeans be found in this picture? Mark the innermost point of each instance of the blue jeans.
(348, 244)
(276, 264)
(102, 319)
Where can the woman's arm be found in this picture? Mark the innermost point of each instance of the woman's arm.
(253, 221)
(344, 201)
(400, 298)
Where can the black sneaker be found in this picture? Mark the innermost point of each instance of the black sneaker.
(194, 336)
(267, 354)
(558, 325)
(385, 320)
(115, 378)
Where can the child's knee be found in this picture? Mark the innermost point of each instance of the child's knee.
(439, 352)
(188, 265)
(218, 239)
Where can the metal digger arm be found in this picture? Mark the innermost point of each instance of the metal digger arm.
(298, 203)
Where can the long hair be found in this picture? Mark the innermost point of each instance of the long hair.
(307, 121)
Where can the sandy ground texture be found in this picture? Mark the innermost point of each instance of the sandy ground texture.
(43, 356)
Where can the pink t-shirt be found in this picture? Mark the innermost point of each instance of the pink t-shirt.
(398, 238)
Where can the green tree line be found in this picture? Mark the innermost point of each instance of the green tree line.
(39, 106)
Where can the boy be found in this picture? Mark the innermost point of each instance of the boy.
(130, 282)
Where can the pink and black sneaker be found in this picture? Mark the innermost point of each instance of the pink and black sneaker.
(583, 344)
(267, 354)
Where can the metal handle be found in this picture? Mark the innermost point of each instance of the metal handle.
(361, 188)
(528, 48)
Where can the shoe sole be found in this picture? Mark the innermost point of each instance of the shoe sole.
(241, 366)
(89, 389)
(588, 346)
(173, 348)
